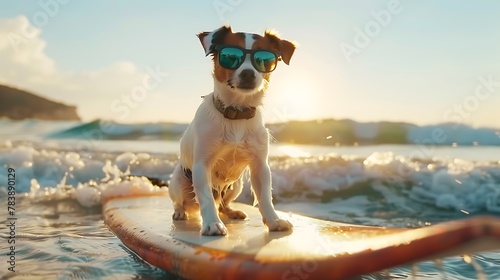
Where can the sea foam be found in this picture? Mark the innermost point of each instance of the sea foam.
(90, 177)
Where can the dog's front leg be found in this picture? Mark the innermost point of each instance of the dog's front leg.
(211, 223)
(261, 183)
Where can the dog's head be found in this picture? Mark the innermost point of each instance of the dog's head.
(243, 62)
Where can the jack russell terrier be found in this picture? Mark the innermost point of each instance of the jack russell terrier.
(228, 134)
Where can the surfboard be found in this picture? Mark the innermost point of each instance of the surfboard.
(314, 249)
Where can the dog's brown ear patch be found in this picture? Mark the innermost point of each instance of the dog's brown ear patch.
(210, 39)
(285, 47)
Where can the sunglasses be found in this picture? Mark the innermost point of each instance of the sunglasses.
(231, 57)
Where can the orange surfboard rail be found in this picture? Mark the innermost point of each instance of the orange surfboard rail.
(315, 249)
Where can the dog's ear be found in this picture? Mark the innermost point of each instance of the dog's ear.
(210, 39)
(285, 47)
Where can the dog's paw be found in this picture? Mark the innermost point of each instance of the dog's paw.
(278, 225)
(235, 214)
(179, 214)
(214, 228)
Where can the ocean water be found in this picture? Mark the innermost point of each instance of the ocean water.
(60, 234)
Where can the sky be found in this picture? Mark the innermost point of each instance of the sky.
(422, 62)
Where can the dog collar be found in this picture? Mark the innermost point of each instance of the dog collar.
(233, 113)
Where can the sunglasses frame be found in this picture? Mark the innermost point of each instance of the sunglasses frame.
(219, 48)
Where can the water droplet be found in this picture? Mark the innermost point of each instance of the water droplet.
(440, 268)
(414, 271)
(467, 259)
(477, 267)
(385, 273)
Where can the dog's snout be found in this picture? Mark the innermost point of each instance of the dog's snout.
(247, 79)
(247, 75)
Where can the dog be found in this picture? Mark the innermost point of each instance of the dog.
(227, 134)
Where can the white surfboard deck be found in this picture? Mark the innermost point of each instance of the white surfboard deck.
(320, 249)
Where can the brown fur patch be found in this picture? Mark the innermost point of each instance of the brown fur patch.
(286, 48)
(265, 43)
(270, 41)
(235, 39)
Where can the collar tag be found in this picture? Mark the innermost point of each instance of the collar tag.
(230, 113)
(233, 113)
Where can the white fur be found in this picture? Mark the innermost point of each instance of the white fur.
(207, 42)
(217, 151)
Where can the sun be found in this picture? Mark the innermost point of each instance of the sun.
(294, 100)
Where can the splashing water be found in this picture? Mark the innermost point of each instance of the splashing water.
(477, 267)
(439, 266)
(414, 271)
(364, 189)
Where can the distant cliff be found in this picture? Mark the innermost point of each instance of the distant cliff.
(17, 104)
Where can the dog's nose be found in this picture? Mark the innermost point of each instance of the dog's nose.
(247, 75)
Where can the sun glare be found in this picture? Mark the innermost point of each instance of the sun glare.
(295, 99)
(293, 151)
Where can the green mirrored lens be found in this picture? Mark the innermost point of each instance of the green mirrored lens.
(231, 58)
(264, 61)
